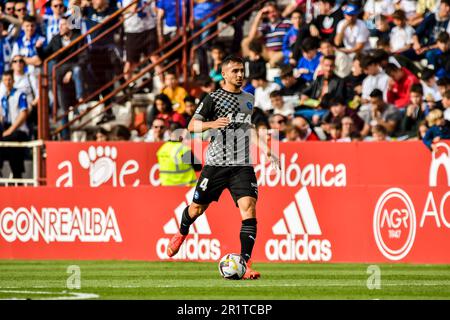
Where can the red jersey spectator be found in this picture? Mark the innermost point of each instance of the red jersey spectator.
(162, 109)
(399, 85)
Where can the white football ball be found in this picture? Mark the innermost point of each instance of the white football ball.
(232, 266)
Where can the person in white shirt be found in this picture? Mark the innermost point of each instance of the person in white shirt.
(140, 33)
(263, 89)
(352, 32)
(376, 79)
(279, 106)
(375, 8)
(401, 37)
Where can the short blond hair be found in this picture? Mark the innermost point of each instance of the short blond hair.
(434, 116)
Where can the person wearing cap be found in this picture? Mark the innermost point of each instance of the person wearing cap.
(352, 34)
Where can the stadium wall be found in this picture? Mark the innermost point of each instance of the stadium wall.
(331, 202)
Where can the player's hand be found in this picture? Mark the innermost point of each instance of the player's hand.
(220, 123)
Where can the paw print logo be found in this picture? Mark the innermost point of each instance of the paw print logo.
(101, 163)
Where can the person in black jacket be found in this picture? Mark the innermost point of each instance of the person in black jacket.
(328, 82)
(69, 76)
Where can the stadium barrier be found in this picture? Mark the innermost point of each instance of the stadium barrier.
(34, 145)
(331, 202)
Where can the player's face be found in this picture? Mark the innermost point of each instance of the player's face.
(233, 73)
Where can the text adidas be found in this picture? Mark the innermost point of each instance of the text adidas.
(192, 248)
(303, 249)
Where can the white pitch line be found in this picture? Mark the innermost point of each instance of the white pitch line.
(74, 295)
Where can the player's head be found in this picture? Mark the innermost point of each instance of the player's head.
(233, 71)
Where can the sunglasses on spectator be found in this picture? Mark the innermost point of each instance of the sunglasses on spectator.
(158, 127)
(58, 6)
(19, 60)
(9, 9)
(20, 9)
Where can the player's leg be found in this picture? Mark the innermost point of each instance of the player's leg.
(244, 190)
(210, 185)
(247, 207)
(190, 214)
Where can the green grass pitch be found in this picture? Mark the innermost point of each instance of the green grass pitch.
(192, 280)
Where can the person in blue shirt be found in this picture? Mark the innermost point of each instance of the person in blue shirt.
(13, 116)
(308, 64)
(291, 37)
(439, 128)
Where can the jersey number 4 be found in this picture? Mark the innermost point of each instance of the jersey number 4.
(204, 184)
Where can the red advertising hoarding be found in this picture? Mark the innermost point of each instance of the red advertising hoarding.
(331, 202)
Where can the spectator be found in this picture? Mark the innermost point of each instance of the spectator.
(352, 32)
(443, 85)
(339, 110)
(430, 87)
(348, 128)
(7, 39)
(446, 105)
(24, 82)
(50, 22)
(69, 76)
(442, 66)
(298, 32)
(439, 128)
(255, 64)
(308, 64)
(421, 131)
(415, 112)
(328, 82)
(20, 11)
(334, 131)
(101, 134)
(401, 35)
(189, 108)
(325, 24)
(278, 106)
(381, 113)
(206, 85)
(306, 133)
(292, 87)
(354, 83)
(428, 31)
(140, 34)
(422, 8)
(399, 85)
(104, 62)
(13, 116)
(174, 91)
(376, 79)
(263, 89)
(162, 109)
(158, 132)
(382, 31)
(120, 133)
(373, 9)
(217, 55)
(28, 44)
(292, 134)
(278, 123)
(167, 22)
(343, 64)
(379, 133)
(272, 32)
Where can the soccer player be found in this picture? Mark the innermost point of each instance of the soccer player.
(228, 110)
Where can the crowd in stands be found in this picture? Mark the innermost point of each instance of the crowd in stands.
(337, 70)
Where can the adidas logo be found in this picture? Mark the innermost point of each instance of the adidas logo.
(299, 219)
(193, 248)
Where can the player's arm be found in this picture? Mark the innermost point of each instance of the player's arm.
(204, 112)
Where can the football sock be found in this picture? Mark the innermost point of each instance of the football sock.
(186, 221)
(248, 237)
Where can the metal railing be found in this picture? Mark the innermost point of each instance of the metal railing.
(36, 162)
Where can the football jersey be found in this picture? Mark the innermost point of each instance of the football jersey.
(231, 145)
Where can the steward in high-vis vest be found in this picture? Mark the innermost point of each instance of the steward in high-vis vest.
(176, 165)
